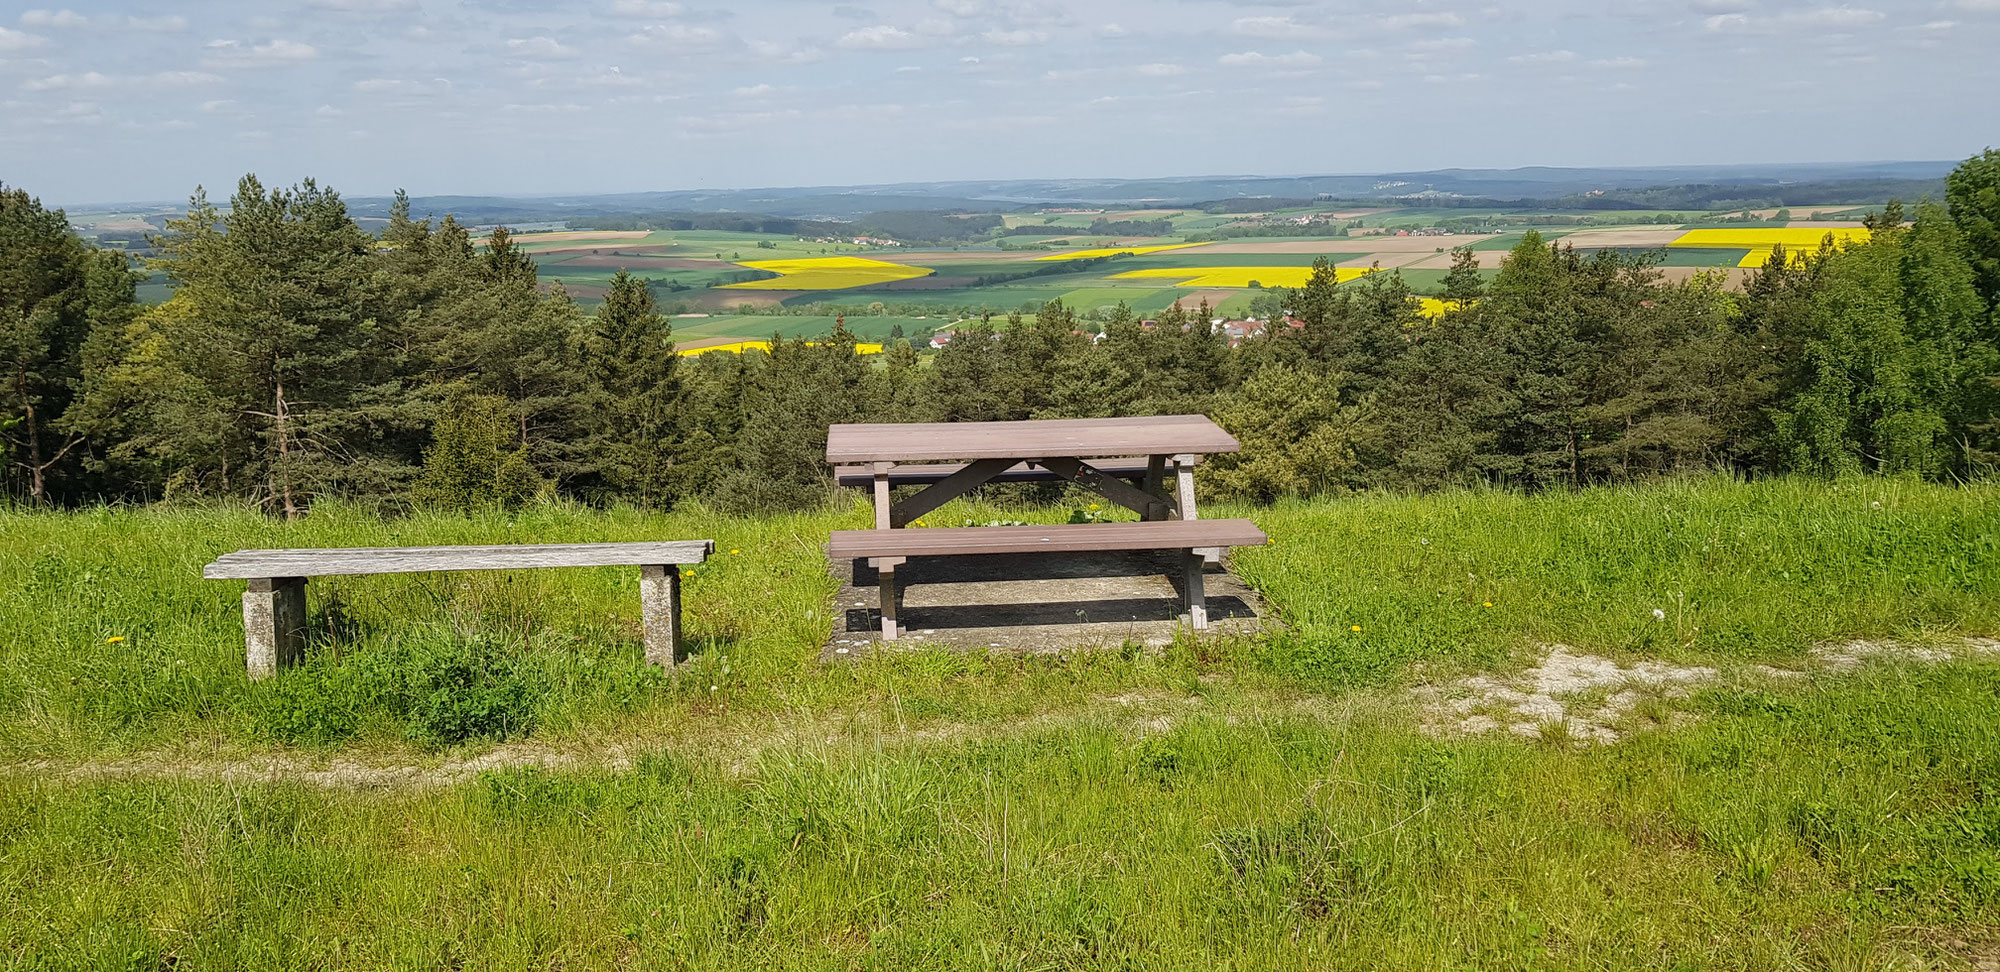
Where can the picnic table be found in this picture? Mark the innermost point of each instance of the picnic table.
(1141, 452)
(1125, 460)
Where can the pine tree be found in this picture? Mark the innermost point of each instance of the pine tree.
(56, 297)
(1462, 283)
(636, 397)
(474, 461)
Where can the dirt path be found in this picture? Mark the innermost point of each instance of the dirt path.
(1590, 699)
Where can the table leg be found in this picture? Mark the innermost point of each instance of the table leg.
(882, 494)
(1156, 478)
(1197, 600)
(885, 581)
(1184, 489)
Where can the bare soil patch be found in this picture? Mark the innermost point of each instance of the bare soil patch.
(1351, 244)
(1191, 299)
(1486, 259)
(1647, 236)
(567, 235)
(626, 259)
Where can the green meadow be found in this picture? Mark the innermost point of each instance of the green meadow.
(476, 770)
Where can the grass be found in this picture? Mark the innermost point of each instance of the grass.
(1248, 804)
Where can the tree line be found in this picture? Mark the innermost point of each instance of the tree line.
(301, 357)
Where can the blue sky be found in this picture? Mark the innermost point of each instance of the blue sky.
(130, 101)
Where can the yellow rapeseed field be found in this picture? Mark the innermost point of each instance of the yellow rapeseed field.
(742, 346)
(1761, 240)
(826, 273)
(1115, 250)
(1239, 276)
(1433, 308)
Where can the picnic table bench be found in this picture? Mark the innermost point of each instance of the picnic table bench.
(1128, 461)
(885, 550)
(274, 607)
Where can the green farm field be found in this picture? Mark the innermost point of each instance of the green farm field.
(476, 770)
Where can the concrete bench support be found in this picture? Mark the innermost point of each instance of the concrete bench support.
(660, 611)
(274, 624)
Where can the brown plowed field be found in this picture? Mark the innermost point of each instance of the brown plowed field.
(645, 263)
(1488, 259)
(1595, 238)
(1353, 244)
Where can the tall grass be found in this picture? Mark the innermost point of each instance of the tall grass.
(110, 641)
(1821, 825)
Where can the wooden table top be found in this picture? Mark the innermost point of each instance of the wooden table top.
(1159, 435)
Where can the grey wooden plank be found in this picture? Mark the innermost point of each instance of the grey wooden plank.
(1064, 538)
(245, 564)
(1077, 438)
(928, 473)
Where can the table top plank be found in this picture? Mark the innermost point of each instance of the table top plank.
(1155, 435)
(307, 562)
(1062, 538)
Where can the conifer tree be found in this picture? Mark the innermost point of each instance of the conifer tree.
(636, 398)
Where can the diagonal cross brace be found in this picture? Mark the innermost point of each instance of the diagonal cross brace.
(1118, 491)
(947, 489)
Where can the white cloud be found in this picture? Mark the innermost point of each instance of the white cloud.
(881, 37)
(1111, 30)
(17, 40)
(364, 6)
(1822, 18)
(232, 53)
(92, 79)
(676, 36)
(1409, 20)
(772, 52)
(1294, 60)
(1618, 63)
(329, 111)
(1721, 6)
(1016, 38)
(647, 8)
(960, 8)
(219, 106)
(1441, 45)
(1159, 69)
(1979, 6)
(540, 46)
(1280, 28)
(67, 19)
(753, 91)
(1545, 57)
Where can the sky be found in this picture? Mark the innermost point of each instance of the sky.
(123, 101)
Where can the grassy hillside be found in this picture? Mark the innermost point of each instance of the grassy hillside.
(1262, 803)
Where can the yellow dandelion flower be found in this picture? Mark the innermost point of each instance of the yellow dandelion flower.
(114, 639)
(736, 551)
(1489, 603)
(1354, 627)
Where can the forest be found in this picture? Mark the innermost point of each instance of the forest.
(301, 357)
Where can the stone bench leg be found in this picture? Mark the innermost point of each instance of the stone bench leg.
(274, 624)
(885, 581)
(660, 614)
(1197, 599)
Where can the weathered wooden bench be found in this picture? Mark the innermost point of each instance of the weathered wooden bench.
(885, 550)
(274, 608)
(930, 474)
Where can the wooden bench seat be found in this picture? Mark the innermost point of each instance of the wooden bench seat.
(887, 549)
(274, 608)
(930, 474)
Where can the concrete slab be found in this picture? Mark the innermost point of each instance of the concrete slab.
(1032, 603)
